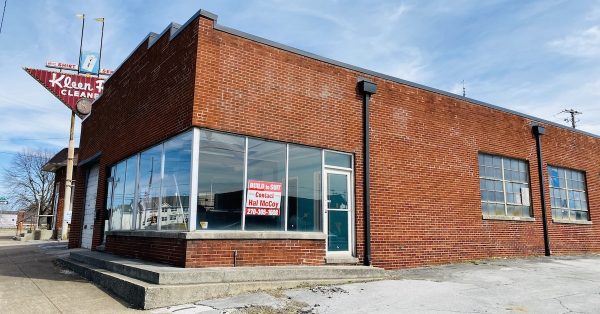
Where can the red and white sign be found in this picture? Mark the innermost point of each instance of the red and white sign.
(72, 67)
(69, 88)
(263, 198)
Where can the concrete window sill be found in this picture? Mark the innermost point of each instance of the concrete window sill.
(221, 235)
(573, 222)
(508, 218)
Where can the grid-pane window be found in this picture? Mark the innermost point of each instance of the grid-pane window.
(567, 194)
(504, 185)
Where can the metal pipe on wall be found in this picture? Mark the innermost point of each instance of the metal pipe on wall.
(366, 88)
(538, 131)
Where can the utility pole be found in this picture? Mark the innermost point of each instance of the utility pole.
(572, 119)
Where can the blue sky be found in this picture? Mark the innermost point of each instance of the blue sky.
(537, 57)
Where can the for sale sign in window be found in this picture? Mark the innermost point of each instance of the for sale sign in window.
(263, 198)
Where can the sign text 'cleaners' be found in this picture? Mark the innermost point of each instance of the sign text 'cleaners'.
(264, 198)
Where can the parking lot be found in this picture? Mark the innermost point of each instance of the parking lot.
(31, 283)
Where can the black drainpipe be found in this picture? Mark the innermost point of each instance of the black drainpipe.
(538, 131)
(367, 89)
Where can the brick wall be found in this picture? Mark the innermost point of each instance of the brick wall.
(219, 253)
(213, 253)
(59, 186)
(425, 179)
(164, 250)
(149, 99)
(248, 88)
(576, 151)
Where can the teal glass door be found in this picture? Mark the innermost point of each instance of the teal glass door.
(339, 210)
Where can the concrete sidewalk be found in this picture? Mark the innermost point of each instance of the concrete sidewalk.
(532, 285)
(31, 283)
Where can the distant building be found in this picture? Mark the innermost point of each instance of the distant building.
(8, 219)
(58, 165)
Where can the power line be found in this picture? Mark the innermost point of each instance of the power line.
(33, 139)
(3, 12)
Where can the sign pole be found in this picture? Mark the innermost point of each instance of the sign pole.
(69, 179)
(71, 152)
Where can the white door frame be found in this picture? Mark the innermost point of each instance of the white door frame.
(351, 211)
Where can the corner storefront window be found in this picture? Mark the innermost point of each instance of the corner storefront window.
(175, 189)
(129, 193)
(265, 185)
(148, 203)
(243, 184)
(304, 186)
(221, 181)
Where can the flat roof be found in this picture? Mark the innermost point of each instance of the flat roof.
(307, 54)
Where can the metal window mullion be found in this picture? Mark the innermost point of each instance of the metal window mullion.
(136, 191)
(245, 183)
(193, 203)
(112, 195)
(160, 189)
(504, 187)
(123, 194)
(324, 204)
(567, 193)
(287, 159)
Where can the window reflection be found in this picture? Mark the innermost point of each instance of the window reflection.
(220, 181)
(149, 188)
(176, 183)
(266, 162)
(117, 195)
(304, 189)
(128, 193)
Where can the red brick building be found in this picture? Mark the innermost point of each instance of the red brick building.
(213, 147)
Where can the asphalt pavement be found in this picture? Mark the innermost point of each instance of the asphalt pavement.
(30, 282)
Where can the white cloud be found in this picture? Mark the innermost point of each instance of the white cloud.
(583, 44)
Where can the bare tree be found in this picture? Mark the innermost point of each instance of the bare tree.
(27, 185)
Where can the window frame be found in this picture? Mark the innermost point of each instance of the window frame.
(567, 189)
(505, 193)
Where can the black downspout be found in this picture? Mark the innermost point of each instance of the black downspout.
(367, 89)
(538, 131)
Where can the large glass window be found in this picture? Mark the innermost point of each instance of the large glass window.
(129, 193)
(568, 194)
(266, 163)
(220, 181)
(118, 183)
(149, 188)
(243, 184)
(175, 188)
(304, 189)
(504, 184)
